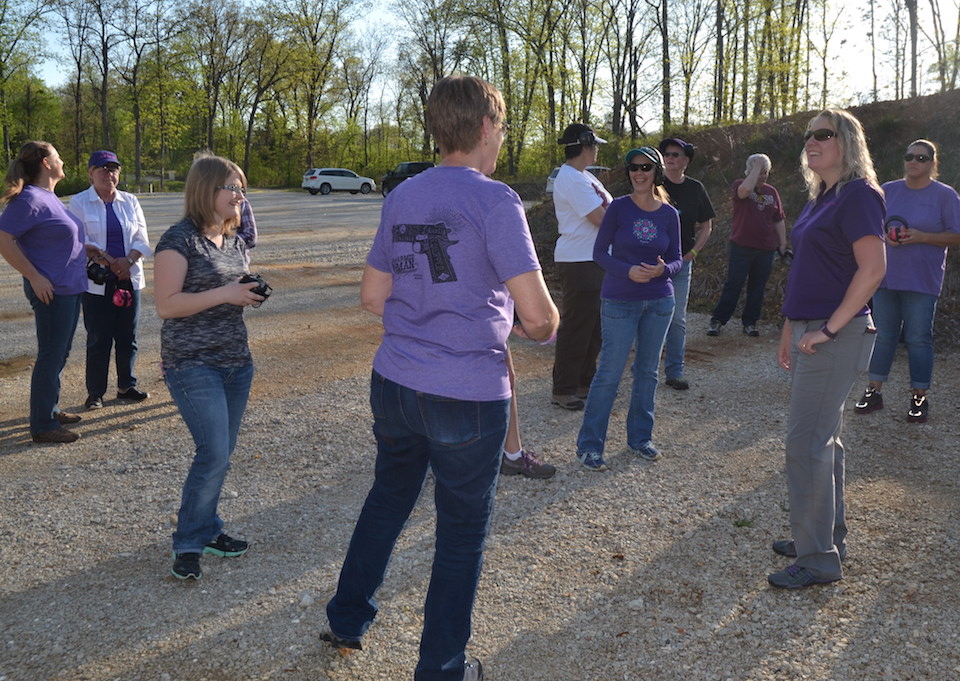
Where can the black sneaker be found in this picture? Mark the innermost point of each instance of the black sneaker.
(472, 670)
(918, 409)
(714, 328)
(678, 383)
(186, 566)
(870, 402)
(226, 546)
(133, 395)
(751, 330)
(93, 402)
(343, 646)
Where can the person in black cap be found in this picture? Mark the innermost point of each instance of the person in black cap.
(580, 201)
(115, 224)
(696, 222)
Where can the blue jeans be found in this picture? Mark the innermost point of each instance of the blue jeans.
(747, 265)
(913, 313)
(625, 322)
(461, 442)
(56, 323)
(676, 344)
(108, 325)
(211, 401)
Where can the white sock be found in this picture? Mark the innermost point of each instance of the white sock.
(514, 456)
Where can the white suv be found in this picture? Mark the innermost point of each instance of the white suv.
(326, 180)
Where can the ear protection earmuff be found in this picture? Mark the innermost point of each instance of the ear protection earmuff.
(657, 159)
(123, 294)
(586, 138)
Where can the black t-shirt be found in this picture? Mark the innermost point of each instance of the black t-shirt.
(691, 200)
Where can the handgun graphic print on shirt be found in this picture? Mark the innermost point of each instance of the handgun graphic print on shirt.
(431, 241)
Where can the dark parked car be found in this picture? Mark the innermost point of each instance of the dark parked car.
(402, 172)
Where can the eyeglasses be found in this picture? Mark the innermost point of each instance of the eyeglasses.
(919, 158)
(634, 167)
(821, 135)
(672, 154)
(235, 188)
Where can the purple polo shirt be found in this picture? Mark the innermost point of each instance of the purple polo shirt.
(50, 236)
(935, 208)
(823, 237)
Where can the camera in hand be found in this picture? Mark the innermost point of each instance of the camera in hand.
(262, 288)
(97, 273)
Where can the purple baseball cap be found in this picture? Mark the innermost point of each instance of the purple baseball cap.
(102, 158)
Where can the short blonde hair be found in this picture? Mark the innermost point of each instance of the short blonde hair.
(199, 194)
(855, 160)
(455, 111)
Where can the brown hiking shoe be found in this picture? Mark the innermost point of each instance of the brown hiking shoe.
(58, 436)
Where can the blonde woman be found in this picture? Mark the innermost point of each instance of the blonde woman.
(827, 337)
(207, 364)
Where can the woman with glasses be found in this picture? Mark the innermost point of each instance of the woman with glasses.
(923, 219)
(44, 242)
(827, 337)
(115, 225)
(638, 246)
(205, 357)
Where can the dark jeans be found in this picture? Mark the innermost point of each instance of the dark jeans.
(56, 323)
(107, 325)
(460, 442)
(578, 338)
(747, 265)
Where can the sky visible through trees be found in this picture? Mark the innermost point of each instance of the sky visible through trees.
(286, 84)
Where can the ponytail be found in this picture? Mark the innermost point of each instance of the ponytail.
(24, 169)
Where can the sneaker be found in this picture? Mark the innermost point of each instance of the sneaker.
(918, 409)
(592, 461)
(186, 566)
(343, 646)
(796, 577)
(472, 670)
(60, 435)
(785, 547)
(714, 328)
(64, 418)
(678, 383)
(571, 402)
(751, 330)
(647, 451)
(871, 401)
(133, 395)
(226, 546)
(93, 402)
(528, 464)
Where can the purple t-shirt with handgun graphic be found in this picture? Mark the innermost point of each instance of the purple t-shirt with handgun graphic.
(823, 258)
(450, 237)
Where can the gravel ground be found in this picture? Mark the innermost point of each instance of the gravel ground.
(647, 571)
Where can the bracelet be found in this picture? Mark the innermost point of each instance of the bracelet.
(827, 332)
(694, 251)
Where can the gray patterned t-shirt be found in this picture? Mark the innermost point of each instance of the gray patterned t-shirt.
(216, 336)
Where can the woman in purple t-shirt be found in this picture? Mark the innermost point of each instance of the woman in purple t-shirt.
(638, 246)
(923, 220)
(827, 337)
(44, 242)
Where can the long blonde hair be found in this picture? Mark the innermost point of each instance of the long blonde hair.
(25, 168)
(199, 193)
(855, 160)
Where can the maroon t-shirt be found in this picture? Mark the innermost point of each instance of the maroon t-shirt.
(755, 216)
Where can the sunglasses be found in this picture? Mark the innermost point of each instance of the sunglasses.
(672, 154)
(919, 158)
(821, 135)
(235, 188)
(634, 167)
